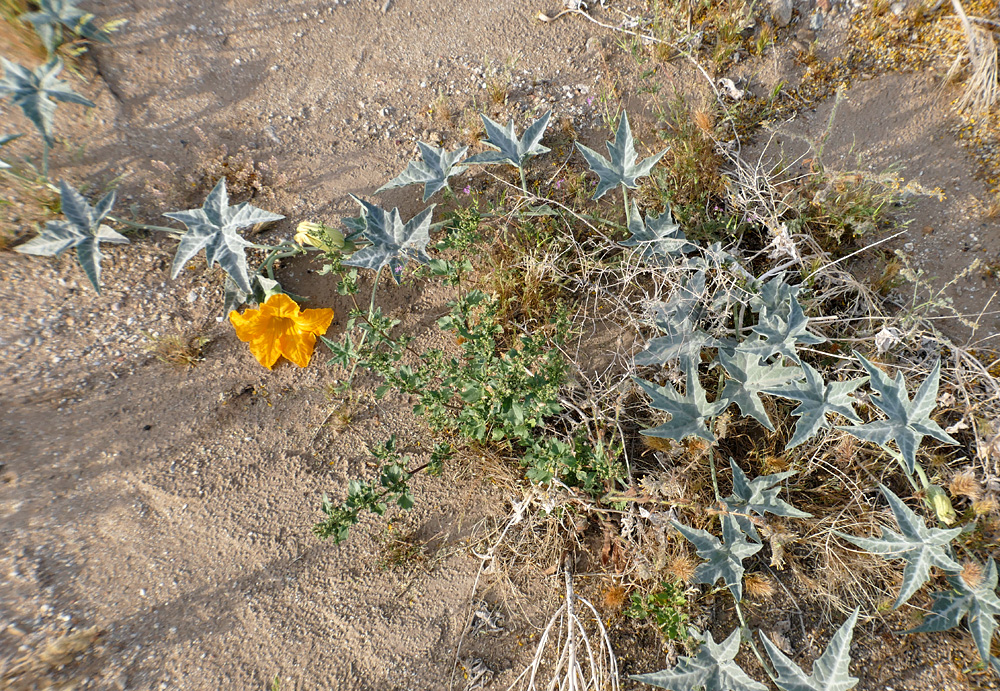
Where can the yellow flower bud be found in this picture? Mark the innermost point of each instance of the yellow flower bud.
(319, 236)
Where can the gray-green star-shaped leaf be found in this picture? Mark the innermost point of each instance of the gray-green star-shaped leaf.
(33, 90)
(817, 399)
(213, 228)
(678, 319)
(725, 558)
(774, 297)
(758, 496)
(393, 243)
(920, 546)
(432, 172)
(657, 239)
(624, 167)
(978, 603)
(749, 378)
(54, 15)
(82, 230)
(509, 147)
(780, 333)
(689, 413)
(831, 672)
(711, 669)
(908, 420)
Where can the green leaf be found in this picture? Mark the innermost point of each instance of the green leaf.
(749, 379)
(53, 15)
(678, 319)
(920, 546)
(830, 672)
(774, 297)
(689, 413)
(780, 333)
(433, 172)
(909, 420)
(724, 559)
(213, 228)
(623, 168)
(393, 243)
(657, 238)
(759, 496)
(510, 149)
(6, 139)
(32, 91)
(82, 229)
(978, 603)
(816, 400)
(711, 669)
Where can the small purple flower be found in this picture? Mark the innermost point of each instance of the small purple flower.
(590, 100)
(466, 189)
(559, 183)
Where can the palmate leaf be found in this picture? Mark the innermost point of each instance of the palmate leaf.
(749, 378)
(724, 559)
(816, 400)
(393, 242)
(979, 604)
(909, 420)
(678, 319)
(432, 172)
(53, 15)
(6, 139)
(780, 333)
(689, 413)
(33, 90)
(623, 168)
(82, 230)
(774, 297)
(920, 546)
(213, 228)
(759, 496)
(509, 148)
(829, 673)
(657, 239)
(711, 669)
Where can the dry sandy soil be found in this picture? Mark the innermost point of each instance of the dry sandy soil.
(171, 508)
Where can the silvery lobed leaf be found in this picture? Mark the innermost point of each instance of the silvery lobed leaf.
(432, 172)
(82, 230)
(657, 238)
(759, 496)
(711, 669)
(831, 672)
(749, 378)
(52, 15)
(213, 228)
(920, 546)
(678, 319)
(393, 242)
(816, 400)
(774, 296)
(978, 603)
(689, 413)
(509, 148)
(6, 139)
(908, 420)
(725, 558)
(781, 333)
(623, 168)
(32, 91)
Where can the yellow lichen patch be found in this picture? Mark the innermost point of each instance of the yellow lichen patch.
(279, 328)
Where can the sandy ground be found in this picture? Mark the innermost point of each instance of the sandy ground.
(170, 508)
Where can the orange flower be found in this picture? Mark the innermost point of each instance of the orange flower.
(279, 328)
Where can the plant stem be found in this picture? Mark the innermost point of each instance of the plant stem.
(625, 199)
(45, 159)
(748, 635)
(524, 182)
(143, 226)
(715, 479)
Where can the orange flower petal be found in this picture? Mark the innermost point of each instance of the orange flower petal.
(315, 321)
(280, 305)
(248, 325)
(297, 347)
